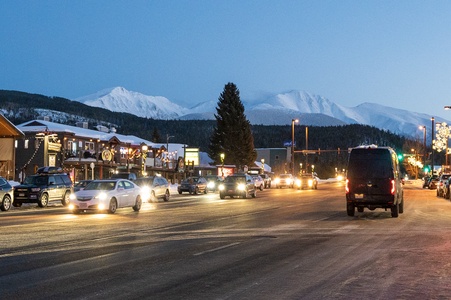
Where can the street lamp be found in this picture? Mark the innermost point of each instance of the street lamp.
(292, 144)
(222, 155)
(144, 149)
(432, 148)
(423, 127)
(263, 165)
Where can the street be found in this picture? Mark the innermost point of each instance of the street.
(283, 244)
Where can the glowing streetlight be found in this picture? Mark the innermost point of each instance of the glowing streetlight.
(292, 144)
(222, 155)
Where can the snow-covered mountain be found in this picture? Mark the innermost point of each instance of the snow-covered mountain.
(119, 99)
(278, 109)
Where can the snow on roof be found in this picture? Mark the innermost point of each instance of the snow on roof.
(41, 126)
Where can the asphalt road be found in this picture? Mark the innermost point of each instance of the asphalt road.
(284, 244)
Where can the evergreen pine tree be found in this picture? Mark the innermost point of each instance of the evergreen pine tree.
(232, 134)
(155, 135)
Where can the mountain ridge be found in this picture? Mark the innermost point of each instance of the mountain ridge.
(275, 109)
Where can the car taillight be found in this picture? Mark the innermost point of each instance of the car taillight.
(347, 186)
(393, 187)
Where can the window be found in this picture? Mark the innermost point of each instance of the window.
(89, 146)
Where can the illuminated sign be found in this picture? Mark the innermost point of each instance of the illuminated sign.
(192, 155)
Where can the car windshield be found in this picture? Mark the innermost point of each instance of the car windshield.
(233, 179)
(101, 185)
(285, 176)
(36, 180)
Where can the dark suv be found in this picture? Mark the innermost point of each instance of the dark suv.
(240, 185)
(374, 180)
(46, 185)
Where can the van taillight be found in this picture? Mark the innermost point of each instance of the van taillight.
(347, 186)
(393, 187)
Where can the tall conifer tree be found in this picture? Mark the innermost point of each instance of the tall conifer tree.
(232, 134)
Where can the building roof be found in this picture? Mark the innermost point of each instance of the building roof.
(8, 129)
(37, 126)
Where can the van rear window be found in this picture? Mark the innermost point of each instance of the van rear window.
(370, 164)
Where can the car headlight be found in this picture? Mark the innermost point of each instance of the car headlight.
(101, 206)
(277, 180)
(241, 187)
(211, 185)
(36, 189)
(145, 193)
(102, 196)
(289, 181)
(72, 197)
(221, 187)
(298, 182)
(310, 182)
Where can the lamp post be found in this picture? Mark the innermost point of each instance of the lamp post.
(292, 144)
(222, 155)
(144, 149)
(423, 127)
(263, 165)
(432, 148)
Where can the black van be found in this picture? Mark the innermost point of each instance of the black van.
(374, 180)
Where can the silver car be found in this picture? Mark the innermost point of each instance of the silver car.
(106, 195)
(154, 188)
(6, 194)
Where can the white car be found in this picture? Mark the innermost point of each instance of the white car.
(106, 195)
(258, 182)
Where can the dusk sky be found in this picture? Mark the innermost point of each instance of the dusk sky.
(395, 53)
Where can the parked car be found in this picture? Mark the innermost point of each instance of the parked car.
(432, 183)
(213, 182)
(258, 182)
(48, 184)
(284, 180)
(81, 184)
(6, 194)
(446, 188)
(237, 185)
(441, 183)
(193, 185)
(153, 188)
(307, 181)
(374, 180)
(106, 195)
(266, 180)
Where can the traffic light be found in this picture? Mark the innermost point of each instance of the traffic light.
(400, 157)
(426, 169)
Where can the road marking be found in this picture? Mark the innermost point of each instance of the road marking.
(216, 249)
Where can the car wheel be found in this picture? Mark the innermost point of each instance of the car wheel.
(138, 204)
(6, 203)
(261, 187)
(401, 206)
(350, 209)
(180, 192)
(395, 210)
(245, 195)
(254, 194)
(65, 201)
(17, 204)
(196, 191)
(166, 196)
(113, 206)
(44, 200)
(221, 195)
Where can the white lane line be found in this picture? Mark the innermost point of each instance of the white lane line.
(216, 249)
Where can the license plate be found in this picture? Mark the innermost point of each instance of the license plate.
(83, 205)
(21, 195)
(359, 196)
